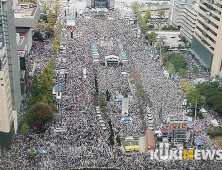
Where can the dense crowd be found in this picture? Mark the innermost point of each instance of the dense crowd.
(86, 142)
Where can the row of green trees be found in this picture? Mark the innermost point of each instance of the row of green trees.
(193, 94)
(206, 93)
(142, 21)
(40, 106)
(176, 63)
(50, 17)
(212, 93)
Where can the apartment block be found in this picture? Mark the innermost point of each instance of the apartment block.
(189, 21)
(176, 11)
(206, 42)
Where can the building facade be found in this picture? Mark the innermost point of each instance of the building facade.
(176, 11)
(100, 3)
(206, 43)
(15, 38)
(10, 75)
(6, 113)
(189, 21)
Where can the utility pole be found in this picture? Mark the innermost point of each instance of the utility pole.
(195, 109)
(195, 116)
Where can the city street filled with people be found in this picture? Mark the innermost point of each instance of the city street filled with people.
(86, 141)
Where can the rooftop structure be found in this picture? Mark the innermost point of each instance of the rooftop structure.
(26, 15)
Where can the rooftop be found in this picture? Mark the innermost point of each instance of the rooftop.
(25, 11)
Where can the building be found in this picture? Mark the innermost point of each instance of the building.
(189, 21)
(6, 112)
(26, 17)
(206, 42)
(100, 3)
(150, 141)
(15, 23)
(176, 11)
(10, 75)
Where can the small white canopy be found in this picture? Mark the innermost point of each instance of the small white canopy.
(111, 57)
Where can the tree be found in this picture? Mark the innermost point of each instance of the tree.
(45, 8)
(56, 44)
(182, 72)
(192, 96)
(107, 95)
(56, 7)
(103, 109)
(142, 23)
(37, 36)
(49, 30)
(25, 129)
(31, 154)
(40, 114)
(43, 17)
(135, 7)
(51, 18)
(147, 16)
(171, 69)
(183, 38)
(150, 27)
(118, 140)
(59, 27)
(151, 37)
(102, 102)
(176, 59)
(161, 13)
(195, 70)
(185, 85)
(180, 46)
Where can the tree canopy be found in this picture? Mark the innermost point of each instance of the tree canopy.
(213, 95)
(185, 85)
(176, 59)
(147, 16)
(40, 113)
(171, 69)
(41, 98)
(194, 95)
(135, 7)
(151, 37)
(56, 43)
(37, 36)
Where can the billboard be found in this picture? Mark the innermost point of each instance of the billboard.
(177, 124)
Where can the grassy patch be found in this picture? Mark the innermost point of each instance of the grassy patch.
(217, 140)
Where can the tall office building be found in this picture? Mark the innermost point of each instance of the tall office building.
(16, 23)
(189, 21)
(176, 11)
(10, 97)
(206, 43)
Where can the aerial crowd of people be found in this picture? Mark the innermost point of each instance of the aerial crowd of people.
(86, 141)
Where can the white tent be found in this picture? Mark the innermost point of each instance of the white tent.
(214, 123)
(204, 112)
